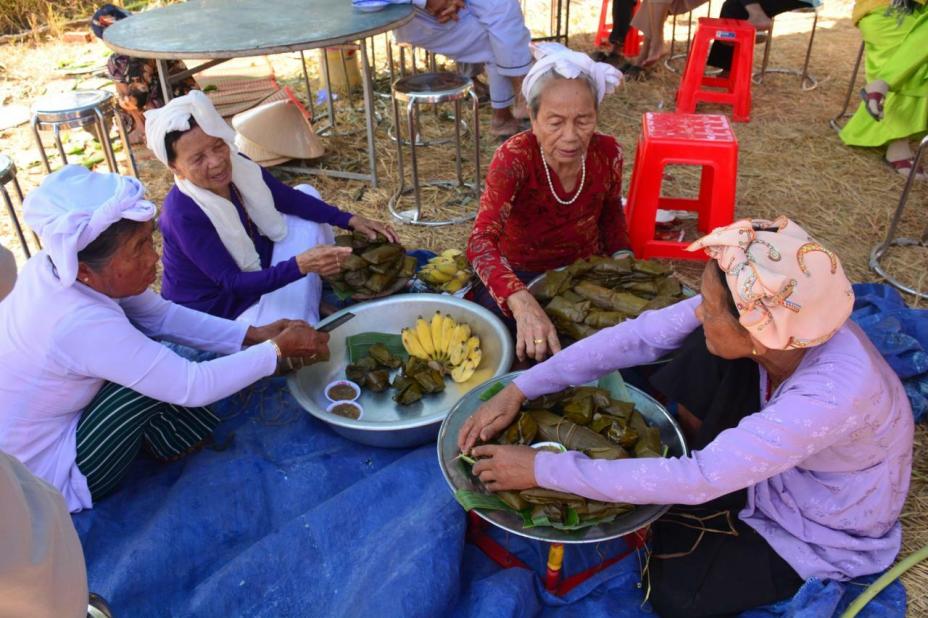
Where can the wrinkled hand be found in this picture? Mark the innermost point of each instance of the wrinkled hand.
(536, 336)
(371, 228)
(257, 334)
(324, 259)
(491, 418)
(504, 468)
(299, 340)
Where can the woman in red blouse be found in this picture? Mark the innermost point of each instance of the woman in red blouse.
(553, 195)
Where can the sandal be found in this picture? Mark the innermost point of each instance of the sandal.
(876, 97)
(611, 58)
(904, 167)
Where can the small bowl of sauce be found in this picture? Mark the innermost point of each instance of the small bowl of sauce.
(346, 409)
(342, 390)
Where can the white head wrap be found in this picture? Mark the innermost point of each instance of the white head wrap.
(246, 175)
(570, 64)
(73, 206)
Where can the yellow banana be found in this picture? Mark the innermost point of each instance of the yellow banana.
(463, 373)
(448, 268)
(436, 327)
(432, 275)
(411, 343)
(457, 352)
(423, 332)
(450, 253)
(452, 286)
(447, 332)
(474, 353)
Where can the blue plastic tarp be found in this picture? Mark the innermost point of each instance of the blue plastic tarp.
(293, 520)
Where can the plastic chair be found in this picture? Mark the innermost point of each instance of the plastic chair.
(891, 240)
(806, 81)
(632, 45)
(835, 123)
(8, 176)
(80, 109)
(736, 87)
(432, 88)
(704, 140)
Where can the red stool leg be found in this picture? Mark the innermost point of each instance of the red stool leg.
(643, 199)
(741, 79)
(602, 33)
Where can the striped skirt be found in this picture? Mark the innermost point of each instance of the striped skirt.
(118, 422)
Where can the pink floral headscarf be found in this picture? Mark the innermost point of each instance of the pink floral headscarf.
(791, 291)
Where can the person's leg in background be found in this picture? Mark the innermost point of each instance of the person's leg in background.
(757, 13)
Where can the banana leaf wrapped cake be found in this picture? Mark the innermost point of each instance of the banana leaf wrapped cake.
(374, 268)
(599, 292)
(586, 419)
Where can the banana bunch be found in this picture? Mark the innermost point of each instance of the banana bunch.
(447, 272)
(448, 344)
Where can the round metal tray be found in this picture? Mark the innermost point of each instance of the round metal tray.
(458, 476)
(384, 422)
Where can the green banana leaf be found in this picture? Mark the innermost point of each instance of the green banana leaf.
(358, 345)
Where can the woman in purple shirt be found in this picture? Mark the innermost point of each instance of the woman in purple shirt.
(803, 475)
(239, 243)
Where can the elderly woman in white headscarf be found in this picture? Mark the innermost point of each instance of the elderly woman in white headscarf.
(553, 194)
(238, 243)
(84, 383)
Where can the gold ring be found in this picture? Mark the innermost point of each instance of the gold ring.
(538, 340)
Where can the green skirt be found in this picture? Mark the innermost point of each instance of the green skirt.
(897, 52)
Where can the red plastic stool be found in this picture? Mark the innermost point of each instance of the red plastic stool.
(705, 140)
(736, 88)
(632, 45)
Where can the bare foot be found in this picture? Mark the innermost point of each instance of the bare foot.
(504, 128)
(757, 17)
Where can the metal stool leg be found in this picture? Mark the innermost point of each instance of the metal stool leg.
(330, 97)
(413, 131)
(399, 147)
(124, 138)
(104, 137)
(309, 88)
(891, 240)
(475, 102)
(367, 88)
(805, 65)
(835, 122)
(341, 54)
(806, 80)
(457, 141)
(57, 131)
(38, 143)
(12, 212)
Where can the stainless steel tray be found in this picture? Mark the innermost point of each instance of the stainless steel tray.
(458, 476)
(385, 423)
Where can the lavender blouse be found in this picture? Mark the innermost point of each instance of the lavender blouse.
(826, 460)
(199, 272)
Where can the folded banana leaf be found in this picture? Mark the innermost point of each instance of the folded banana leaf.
(601, 397)
(408, 269)
(382, 254)
(356, 278)
(513, 500)
(554, 282)
(651, 267)
(659, 302)
(409, 394)
(598, 318)
(343, 241)
(612, 265)
(604, 420)
(669, 287)
(539, 495)
(563, 310)
(377, 380)
(649, 444)
(574, 330)
(575, 437)
(378, 282)
(521, 431)
(624, 436)
(646, 288)
(360, 344)
(354, 262)
(356, 374)
(384, 357)
(579, 409)
(430, 380)
(390, 267)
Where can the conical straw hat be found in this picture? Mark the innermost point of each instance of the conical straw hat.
(258, 154)
(282, 128)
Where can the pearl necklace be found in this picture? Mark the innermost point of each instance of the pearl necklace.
(551, 184)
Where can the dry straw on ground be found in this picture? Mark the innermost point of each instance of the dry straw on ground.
(790, 163)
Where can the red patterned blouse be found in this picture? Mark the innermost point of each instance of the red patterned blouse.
(520, 226)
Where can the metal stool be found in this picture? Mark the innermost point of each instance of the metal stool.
(835, 122)
(806, 82)
(97, 607)
(80, 109)
(433, 88)
(891, 241)
(8, 175)
(673, 56)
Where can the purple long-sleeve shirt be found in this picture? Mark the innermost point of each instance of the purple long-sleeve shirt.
(826, 461)
(201, 274)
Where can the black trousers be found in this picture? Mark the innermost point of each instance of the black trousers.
(705, 561)
(720, 55)
(621, 20)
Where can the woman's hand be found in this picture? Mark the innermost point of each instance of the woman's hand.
(258, 334)
(300, 340)
(324, 259)
(505, 468)
(491, 418)
(535, 334)
(371, 228)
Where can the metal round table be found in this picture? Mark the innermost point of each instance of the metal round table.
(224, 29)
